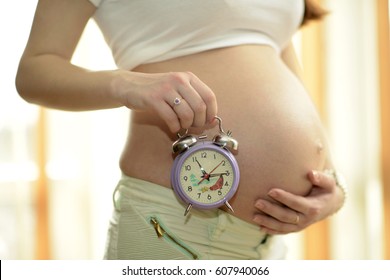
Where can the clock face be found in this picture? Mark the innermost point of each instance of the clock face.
(207, 176)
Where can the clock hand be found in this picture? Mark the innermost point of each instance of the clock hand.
(201, 168)
(217, 174)
(207, 176)
(216, 167)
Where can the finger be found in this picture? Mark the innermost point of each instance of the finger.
(271, 225)
(295, 202)
(196, 105)
(272, 232)
(321, 179)
(166, 113)
(278, 212)
(183, 112)
(207, 96)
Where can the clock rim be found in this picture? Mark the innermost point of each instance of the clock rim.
(178, 162)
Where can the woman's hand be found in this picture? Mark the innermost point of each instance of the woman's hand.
(293, 213)
(180, 99)
(47, 77)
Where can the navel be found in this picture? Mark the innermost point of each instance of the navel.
(319, 146)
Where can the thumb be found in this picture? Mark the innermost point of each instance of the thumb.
(321, 179)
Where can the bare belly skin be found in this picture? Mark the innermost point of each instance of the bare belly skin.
(265, 106)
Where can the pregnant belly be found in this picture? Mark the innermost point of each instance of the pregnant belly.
(271, 116)
(280, 140)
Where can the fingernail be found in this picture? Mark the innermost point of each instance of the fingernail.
(272, 193)
(315, 175)
(212, 121)
(260, 205)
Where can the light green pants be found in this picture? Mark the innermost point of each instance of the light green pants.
(149, 223)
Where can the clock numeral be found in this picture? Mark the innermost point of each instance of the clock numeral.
(203, 155)
(187, 167)
(190, 188)
(219, 192)
(185, 178)
(209, 197)
(199, 194)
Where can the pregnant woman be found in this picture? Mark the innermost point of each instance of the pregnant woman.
(180, 64)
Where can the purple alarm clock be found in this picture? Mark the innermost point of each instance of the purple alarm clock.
(205, 174)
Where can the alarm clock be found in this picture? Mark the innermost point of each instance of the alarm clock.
(205, 174)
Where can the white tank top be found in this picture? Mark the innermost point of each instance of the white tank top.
(145, 31)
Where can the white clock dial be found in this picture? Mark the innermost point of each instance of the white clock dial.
(206, 176)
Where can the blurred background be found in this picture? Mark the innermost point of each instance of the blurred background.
(58, 169)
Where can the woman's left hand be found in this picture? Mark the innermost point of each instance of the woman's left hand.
(293, 213)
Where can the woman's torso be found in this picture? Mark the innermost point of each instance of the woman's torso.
(265, 106)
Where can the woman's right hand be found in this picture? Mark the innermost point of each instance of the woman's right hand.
(157, 93)
(47, 77)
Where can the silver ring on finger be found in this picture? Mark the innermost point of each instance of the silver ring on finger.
(177, 101)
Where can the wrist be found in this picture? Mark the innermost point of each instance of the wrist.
(125, 88)
(119, 87)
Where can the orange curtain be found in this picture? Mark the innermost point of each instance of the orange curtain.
(384, 83)
(41, 193)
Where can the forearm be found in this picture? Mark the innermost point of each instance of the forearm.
(51, 81)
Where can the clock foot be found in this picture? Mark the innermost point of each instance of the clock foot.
(188, 209)
(229, 206)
